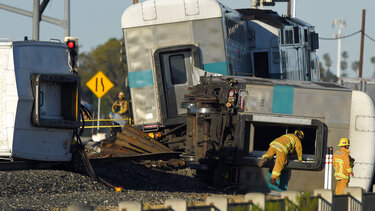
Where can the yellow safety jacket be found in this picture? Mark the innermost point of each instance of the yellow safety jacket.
(341, 163)
(120, 107)
(287, 144)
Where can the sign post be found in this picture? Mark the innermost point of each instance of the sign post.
(99, 85)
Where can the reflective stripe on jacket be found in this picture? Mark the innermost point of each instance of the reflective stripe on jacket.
(287, 143)
(120, 106)
(341, 163)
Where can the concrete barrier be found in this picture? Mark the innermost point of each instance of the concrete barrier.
(354, 203)
(356, 192)
(79, 208)
(130, 206)
(325, 199)
(220, 202)
(325, 194)
(291, 195)
(258, 199)
(176, 204)
(354, 199)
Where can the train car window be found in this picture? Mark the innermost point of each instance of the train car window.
(305, 34)
(264, 134)
(56, 100)
(288, 37)
(255, 138)
(178, 69)
(314, 37)
(281, 36)
(296, 34)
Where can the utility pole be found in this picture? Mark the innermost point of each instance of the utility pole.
(67, 18)
(288, 9)
(294, 8)
(340, 24)
(362, 42)
(37, 16)
(36, 20)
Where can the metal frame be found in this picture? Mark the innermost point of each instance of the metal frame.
(160, 83)
(36, 80)
(320, 144)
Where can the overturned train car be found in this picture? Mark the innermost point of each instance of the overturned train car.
(39, 101)
(170, 44)
(232, 120)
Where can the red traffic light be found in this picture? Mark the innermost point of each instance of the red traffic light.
(71, 44)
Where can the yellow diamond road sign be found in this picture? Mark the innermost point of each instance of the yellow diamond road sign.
(99, 84)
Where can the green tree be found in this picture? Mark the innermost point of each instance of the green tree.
(355, 66)
(105, 58)
(344, 63)
(325, 73)
(327, 61)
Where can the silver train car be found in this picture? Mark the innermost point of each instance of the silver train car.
(39, 101)
(233, 138)
(229, 139)
(170, 44)
(360, 84)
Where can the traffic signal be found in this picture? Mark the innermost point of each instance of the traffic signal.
(72, 44)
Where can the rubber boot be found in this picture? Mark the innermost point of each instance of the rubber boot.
(262, 162)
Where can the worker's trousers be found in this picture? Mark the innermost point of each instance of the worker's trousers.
(279, 162)
(340, 186)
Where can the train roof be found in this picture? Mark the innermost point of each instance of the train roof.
(152, 12)
(267, 16)
(299, 22)
(11, 43)
(271, 18)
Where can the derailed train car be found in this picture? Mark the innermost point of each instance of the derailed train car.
(39, 101)
(170, 44)
(232, 121)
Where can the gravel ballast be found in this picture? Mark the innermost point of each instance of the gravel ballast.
(48, 189)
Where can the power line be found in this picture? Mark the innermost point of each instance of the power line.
(323, 38)
(368, 36)
(343, 37)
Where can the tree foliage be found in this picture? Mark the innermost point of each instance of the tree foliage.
(344, 63)
(325, 73)
(355, 66)
(105, 58)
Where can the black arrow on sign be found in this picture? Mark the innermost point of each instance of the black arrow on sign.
(101, 79)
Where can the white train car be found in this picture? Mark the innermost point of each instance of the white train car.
(169, 44)
(264, 109)
(39, 101)
(361, 84)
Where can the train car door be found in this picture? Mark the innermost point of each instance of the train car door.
(176, 68)
(261, 64)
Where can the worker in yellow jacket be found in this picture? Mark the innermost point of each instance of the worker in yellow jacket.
(120, 106)
(282, 146)
(343, 168)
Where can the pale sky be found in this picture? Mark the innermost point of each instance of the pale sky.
(95, 21)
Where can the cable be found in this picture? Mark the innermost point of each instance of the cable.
(88, 167)
(368, 36)
(337, 38)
